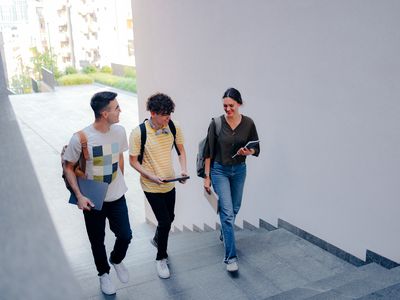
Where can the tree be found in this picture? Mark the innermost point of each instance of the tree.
(21, 84)
(46, 60)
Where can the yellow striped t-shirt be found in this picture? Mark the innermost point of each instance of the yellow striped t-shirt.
(157, 157)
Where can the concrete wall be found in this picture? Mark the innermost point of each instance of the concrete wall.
(48, 78)
(33, 264)
(321, 81)
(3, 75)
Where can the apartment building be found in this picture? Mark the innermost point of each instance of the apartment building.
(88, 32)
(77, 32)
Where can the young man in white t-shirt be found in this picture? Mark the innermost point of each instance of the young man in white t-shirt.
(106, 143)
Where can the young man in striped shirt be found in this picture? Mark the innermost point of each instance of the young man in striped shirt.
(155, 165)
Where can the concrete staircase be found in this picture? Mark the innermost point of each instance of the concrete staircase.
(273, 265)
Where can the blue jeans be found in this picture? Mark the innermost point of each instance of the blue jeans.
(228, 183)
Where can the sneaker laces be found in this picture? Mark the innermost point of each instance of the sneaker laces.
(163, 264)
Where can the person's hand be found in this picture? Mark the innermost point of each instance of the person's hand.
(244, 151)
(207, 184)
(183, 174)
(155, 179)
(85, 203)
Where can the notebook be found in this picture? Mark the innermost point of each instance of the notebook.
(212, 200)
(94, 190)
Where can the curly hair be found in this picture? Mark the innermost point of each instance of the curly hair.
(160, 104)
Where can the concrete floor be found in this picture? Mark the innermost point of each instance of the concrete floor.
(47, 121)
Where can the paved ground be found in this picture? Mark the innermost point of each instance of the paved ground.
(47, 120)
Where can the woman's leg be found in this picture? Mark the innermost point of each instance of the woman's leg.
(221, 185)
(237, 184)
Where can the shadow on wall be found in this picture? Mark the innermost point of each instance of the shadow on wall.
(33, 259)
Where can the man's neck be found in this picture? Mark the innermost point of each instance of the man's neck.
(101, 125)
(153, 124)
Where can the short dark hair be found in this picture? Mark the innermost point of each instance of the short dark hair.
(160, 104)
(233, 94)
(100, 101)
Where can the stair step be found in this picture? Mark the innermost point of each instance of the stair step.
(346, 277)
(390, 292)
(376, 278)
(273, 265)
(323, 285)
(297, 293)
(181, 243)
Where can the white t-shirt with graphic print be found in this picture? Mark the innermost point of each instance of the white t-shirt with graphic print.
(103, 163)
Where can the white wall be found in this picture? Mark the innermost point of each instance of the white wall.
(321, 81)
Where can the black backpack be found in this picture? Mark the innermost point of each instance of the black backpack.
(200, 160)
(143, 137)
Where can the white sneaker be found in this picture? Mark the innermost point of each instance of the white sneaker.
(106, 285)
(154, 243)
(122, 272)
(162, 268)
(232, 267)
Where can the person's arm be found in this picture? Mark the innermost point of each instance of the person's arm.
(84, 203)
(121, 162)
(133, 161)
(244, 151)
(209, 152)
(207, 180)
(182, 161)
(253, 136)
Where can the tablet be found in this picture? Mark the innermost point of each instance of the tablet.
(251, 144)
(176, 179)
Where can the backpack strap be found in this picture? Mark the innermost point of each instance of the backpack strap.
(85, 152)
(173, 131)
(218, 128)
(218, 125)
(143, 138)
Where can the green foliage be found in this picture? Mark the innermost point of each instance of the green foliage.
(89, 69)
(75, 79)
(57, 73)
(106, 69)
(70, 70)
(46, 60)
(21, 84)
(49, 60)
(127, 84)
(130, 72)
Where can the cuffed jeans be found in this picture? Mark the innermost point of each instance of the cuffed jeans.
(228, 183)
(163, 206)
(117, 214)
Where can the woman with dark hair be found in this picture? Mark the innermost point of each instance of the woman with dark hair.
(225, 166)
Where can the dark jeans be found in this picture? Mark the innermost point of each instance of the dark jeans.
(117, 214)
(163, 205)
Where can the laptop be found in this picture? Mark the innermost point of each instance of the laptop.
(96, 191)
